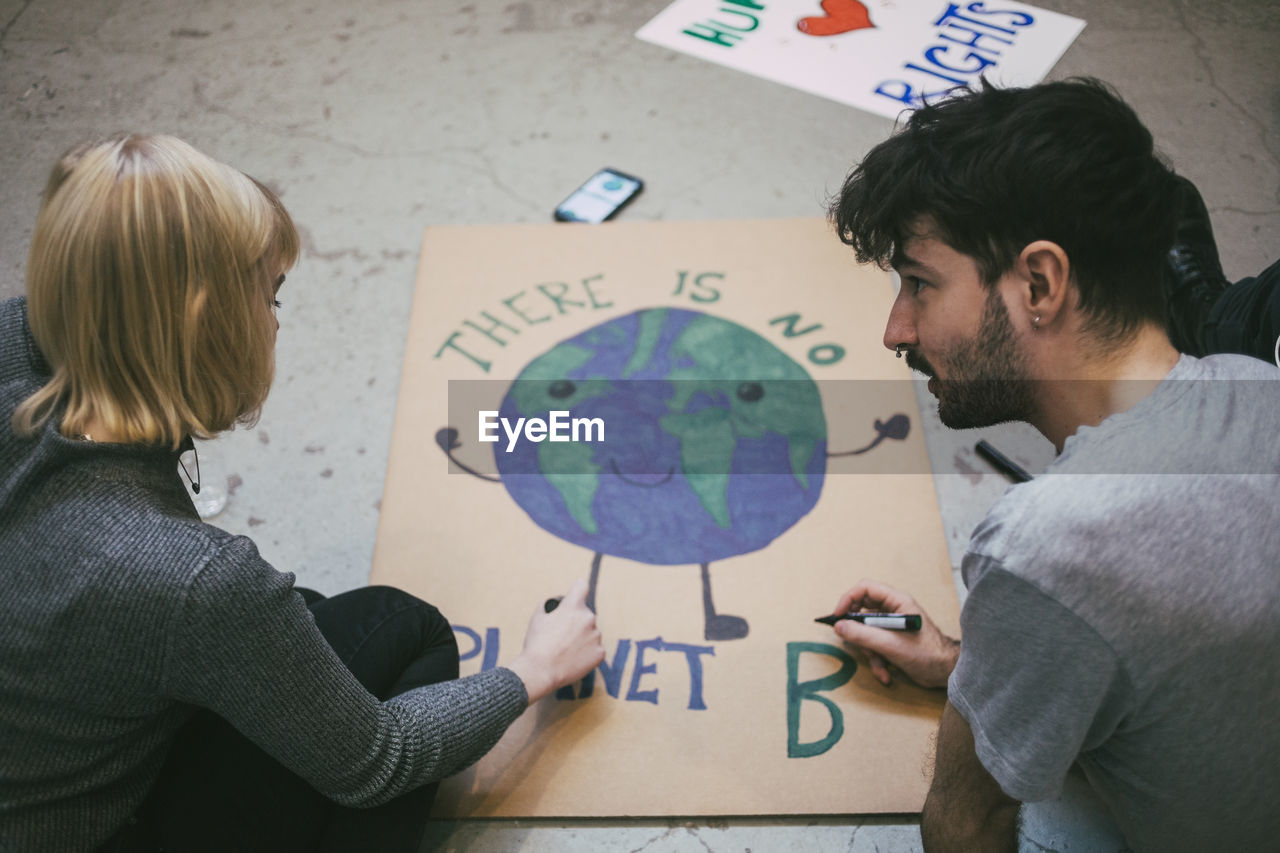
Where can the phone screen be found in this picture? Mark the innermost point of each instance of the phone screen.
(603, 195)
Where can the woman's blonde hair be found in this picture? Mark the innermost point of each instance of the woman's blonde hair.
(149, 292)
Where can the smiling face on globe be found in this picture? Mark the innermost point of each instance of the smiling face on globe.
(715, 440)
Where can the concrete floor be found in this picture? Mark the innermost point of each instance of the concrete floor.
(376, 119)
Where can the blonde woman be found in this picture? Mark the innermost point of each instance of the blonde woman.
(160, 683)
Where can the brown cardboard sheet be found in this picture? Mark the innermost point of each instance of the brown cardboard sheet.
(782, 720)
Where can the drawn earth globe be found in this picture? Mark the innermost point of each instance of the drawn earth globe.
(714, 439)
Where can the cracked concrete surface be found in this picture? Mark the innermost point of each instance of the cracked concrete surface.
(374, 120)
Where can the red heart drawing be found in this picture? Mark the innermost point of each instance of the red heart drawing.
(842, 16)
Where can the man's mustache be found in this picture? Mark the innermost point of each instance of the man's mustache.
(917, 362)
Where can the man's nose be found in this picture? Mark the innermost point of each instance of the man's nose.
(900, 330)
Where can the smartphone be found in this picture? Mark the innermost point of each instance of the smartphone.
(604, 194)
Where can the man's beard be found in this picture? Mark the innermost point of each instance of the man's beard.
(986, 379)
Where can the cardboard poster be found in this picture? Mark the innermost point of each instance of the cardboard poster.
(883, 56)
(758, 453)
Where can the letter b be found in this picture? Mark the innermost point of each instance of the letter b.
(799, 691)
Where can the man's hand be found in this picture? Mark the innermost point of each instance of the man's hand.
(927, 656)
(560, 647)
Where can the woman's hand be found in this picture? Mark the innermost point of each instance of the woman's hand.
(560, 647)
(926, 656)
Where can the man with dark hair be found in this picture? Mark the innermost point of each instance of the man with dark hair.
(1123, 609)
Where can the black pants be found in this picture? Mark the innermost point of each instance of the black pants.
(220, 792)
(1246, 317)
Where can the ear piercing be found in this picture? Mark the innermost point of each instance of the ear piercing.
(1035, 322)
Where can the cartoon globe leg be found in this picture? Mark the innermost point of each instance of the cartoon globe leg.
(716, 626)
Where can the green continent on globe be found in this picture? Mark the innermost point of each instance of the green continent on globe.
(531, 393)
(564, 464)
(766, 392)
(651, 323)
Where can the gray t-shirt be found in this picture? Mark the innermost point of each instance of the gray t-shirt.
(1125, 615)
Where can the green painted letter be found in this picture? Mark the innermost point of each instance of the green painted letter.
(798, 691)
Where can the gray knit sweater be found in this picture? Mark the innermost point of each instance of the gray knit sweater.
(120, 612)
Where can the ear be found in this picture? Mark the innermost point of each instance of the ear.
(1045, 271)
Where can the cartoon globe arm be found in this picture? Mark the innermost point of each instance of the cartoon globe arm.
(897, 428)
(447, 438)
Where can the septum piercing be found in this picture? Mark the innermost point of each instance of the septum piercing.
(898, 350)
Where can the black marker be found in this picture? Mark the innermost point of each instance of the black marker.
(551, 604)
(1003, 463)
(891, 621)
